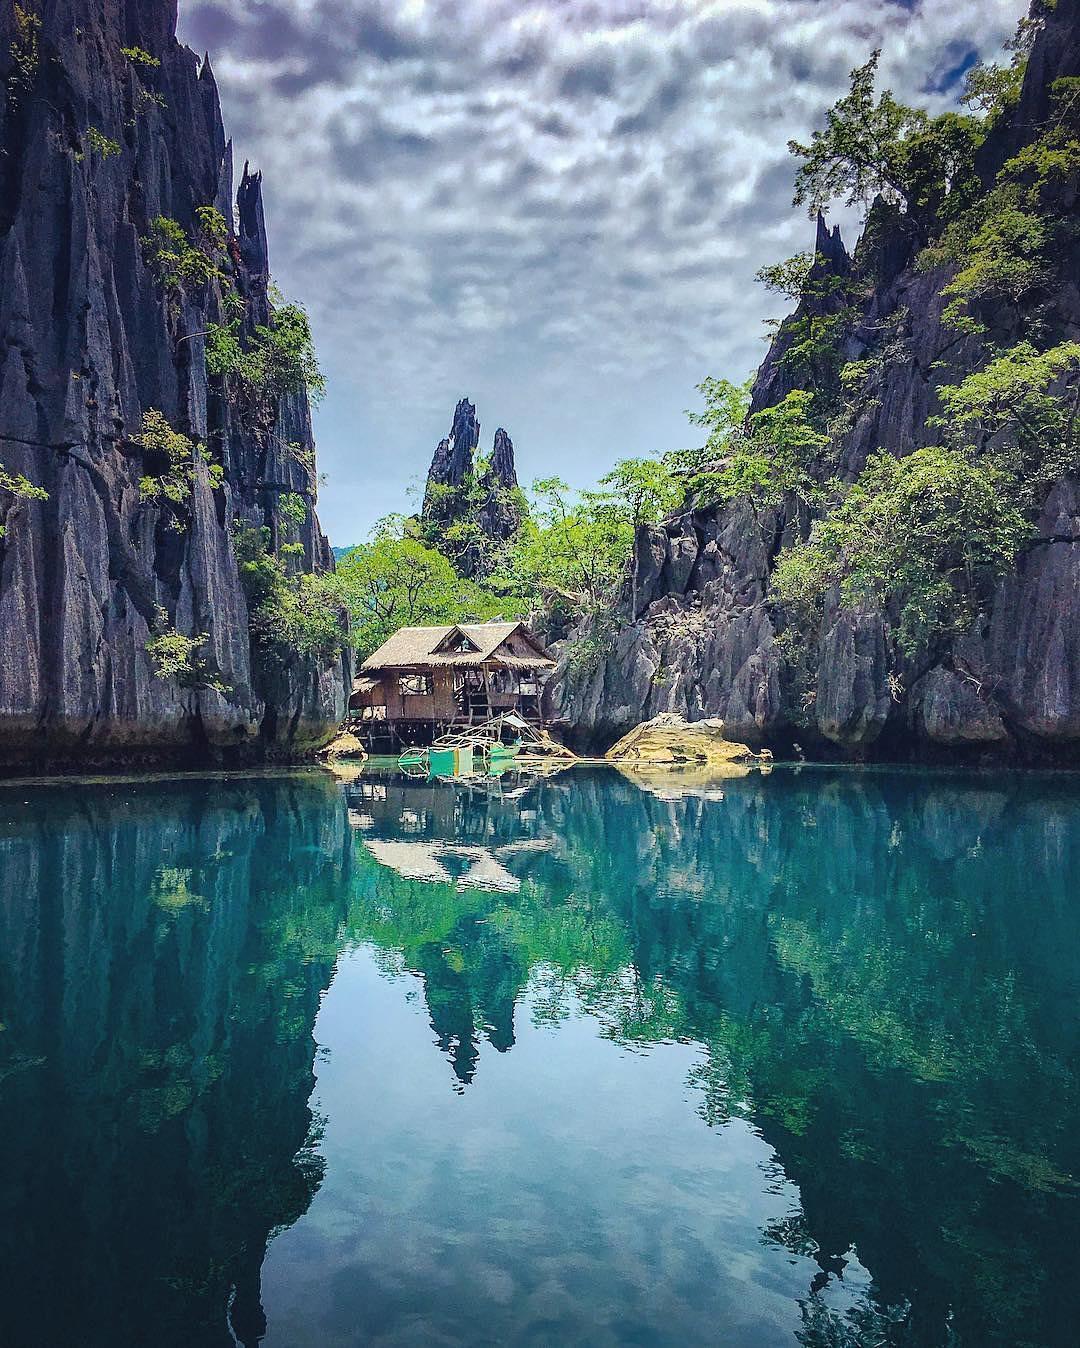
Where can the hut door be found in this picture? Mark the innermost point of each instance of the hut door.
(471, 694)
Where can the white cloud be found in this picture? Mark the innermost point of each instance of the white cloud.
(555, 207)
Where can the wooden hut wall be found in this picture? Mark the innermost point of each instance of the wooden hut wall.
(438, 705)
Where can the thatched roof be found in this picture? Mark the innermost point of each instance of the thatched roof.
(419, 647)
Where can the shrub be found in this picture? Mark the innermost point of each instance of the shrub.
(175, 261)
(100, 144)
(293, 509)
(277, 360)
(15, 484)
(175, 481)
(139, 57)
(303, 613)
(146, 98)
(924, 536)
(212, 231)
(25, 55)
(175, 656)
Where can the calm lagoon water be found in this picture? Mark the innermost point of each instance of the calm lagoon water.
(772, 1060)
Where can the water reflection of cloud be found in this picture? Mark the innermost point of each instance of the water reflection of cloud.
(467, 867)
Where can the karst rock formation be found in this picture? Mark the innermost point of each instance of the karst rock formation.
(477, 494)
(702, 641)
(95, 144)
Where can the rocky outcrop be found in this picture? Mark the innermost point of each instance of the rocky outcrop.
(668, 739)
(452, 462)
(95, 144)
(470, 502)
(697, 634)
(498, 517)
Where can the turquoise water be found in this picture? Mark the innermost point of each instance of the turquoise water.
(781, 1059)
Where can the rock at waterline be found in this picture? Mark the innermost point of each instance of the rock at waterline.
(669, 738)
(346, 745)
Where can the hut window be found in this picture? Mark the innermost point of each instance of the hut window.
(415, 685)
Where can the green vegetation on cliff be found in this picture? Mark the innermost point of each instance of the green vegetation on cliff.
(923, 538)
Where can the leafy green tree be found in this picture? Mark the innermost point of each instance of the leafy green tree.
(872, 145)
(1024, 407)
(760, 457)
(727, 406)
(395, 580)
(276, 360)
(857, 155)
(789, 277)
(990, 89)
(304, 612)
(574, 544)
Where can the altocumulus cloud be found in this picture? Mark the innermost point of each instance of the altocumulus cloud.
(555, 206)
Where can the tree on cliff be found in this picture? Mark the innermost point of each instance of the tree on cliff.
(878, 147)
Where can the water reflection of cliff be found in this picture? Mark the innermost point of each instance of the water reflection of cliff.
(883, 972)
(162, 950)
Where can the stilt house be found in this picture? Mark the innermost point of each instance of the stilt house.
(425, 680)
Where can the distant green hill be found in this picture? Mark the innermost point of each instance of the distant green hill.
(340, 552)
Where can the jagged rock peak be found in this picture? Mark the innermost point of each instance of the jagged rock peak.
(249, 205)
(829, 247)
(453, 458)
(502, 460)
(489, 500)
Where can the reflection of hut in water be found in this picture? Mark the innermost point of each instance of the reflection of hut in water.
(424, 681)
(393, 806)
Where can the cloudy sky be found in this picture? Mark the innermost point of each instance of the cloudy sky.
(555, 207)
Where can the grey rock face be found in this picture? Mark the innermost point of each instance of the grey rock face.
(702, 641)
(502, 460)
(498, 518)
(453, 459)
(695, 632)
(89, 341)
(485, 486)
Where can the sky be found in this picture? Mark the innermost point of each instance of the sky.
(553, 207)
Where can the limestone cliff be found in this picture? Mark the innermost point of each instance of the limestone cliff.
(470, 501)
(108, 124)
(702, 641)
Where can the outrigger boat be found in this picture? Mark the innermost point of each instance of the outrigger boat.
(454, 754)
